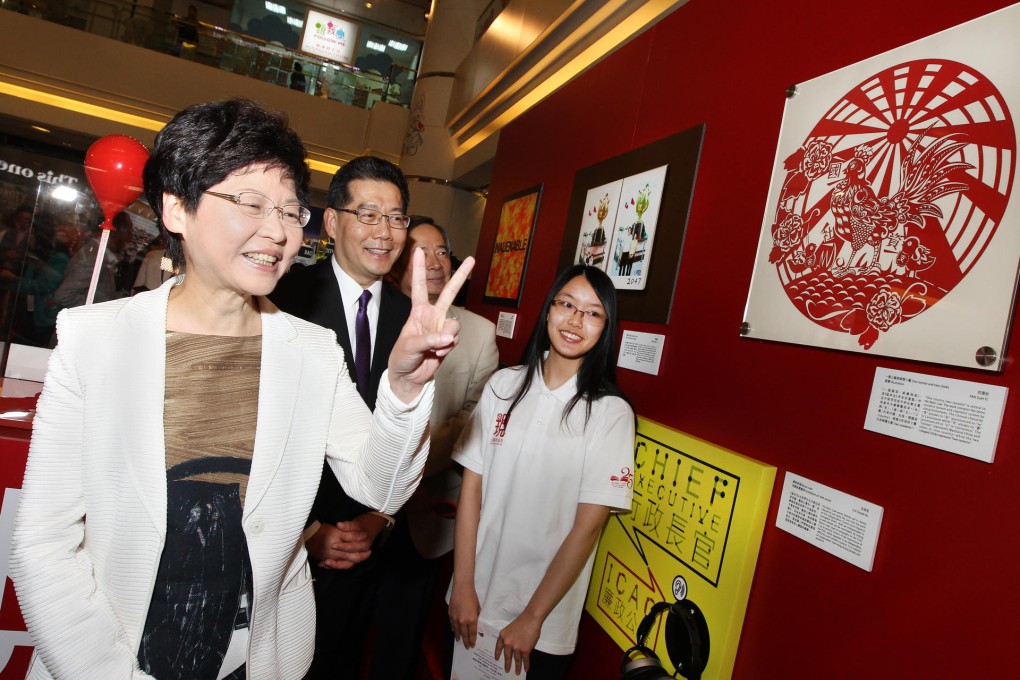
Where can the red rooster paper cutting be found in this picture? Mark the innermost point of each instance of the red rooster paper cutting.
(892, 198)
(866, 220)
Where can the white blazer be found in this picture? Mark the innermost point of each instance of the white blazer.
(92, 521)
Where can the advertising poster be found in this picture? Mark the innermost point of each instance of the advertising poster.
(694, 532)
(513, 244)
(890, 218)
(23, 174)
(329, 37)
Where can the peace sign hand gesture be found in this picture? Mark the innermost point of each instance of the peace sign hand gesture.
(428, 335)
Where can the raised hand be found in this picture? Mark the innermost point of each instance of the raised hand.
(428, 335)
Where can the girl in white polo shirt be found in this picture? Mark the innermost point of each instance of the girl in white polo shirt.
(547, 456)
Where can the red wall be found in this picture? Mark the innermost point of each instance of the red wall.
(941, 600)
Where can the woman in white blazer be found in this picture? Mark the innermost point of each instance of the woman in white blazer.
(159, 531)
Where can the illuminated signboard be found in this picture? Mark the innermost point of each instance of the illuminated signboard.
(329, 37)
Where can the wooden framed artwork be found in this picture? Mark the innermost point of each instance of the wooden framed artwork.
(510, 252)
(628, 216)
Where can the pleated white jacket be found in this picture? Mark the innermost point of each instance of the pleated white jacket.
(92, 521)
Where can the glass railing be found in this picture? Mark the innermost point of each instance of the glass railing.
(224, 49)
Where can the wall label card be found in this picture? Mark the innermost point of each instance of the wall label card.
(505, 324)
(958, 416)
(641, 351)
(838, 523)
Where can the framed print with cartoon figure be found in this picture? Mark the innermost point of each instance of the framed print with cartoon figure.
(630, 213)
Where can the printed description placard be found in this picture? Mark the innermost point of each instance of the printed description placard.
(505, 324)
(641, 351)
(958, 416)
(838, 523)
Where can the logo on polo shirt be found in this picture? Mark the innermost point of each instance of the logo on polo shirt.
(502, 420)
(624, 480)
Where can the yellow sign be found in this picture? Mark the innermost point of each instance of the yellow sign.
(694, 531)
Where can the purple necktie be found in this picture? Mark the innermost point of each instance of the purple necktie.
(362, 344)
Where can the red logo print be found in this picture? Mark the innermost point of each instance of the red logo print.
(893, 197)
(624, 479)
(502, 420)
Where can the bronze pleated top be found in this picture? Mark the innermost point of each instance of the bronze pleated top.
(211, 401)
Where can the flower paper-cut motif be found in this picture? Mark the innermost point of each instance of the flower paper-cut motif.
(885, 310)
(817, 158)
(789, 233)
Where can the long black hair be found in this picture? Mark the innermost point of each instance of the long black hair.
(596, 378)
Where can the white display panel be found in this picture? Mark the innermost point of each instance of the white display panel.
(329, 37)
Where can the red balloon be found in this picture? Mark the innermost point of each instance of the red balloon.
(113, 166)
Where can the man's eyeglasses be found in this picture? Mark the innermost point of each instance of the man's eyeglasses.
(254, 204)
(567, 309)
(372, 216)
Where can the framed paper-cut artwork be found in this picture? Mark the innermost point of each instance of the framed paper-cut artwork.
(630, 213)
(517, 217)
(890, 226)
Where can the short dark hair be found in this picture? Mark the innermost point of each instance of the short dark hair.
(404, 260)
(367, 168)
(418, 220)
(206, 143)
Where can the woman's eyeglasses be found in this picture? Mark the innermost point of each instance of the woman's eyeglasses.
(254, 204)
(567, 309)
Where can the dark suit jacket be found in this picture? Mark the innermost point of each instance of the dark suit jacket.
(312, 293)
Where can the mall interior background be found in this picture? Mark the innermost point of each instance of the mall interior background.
(940, 599)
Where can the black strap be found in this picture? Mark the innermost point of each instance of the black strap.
(646, 624)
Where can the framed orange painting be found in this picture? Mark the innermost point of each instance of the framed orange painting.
(513, 245)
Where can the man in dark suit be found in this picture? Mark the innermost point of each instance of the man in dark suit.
(367, 221)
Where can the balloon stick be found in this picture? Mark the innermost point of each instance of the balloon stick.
(98, 267)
